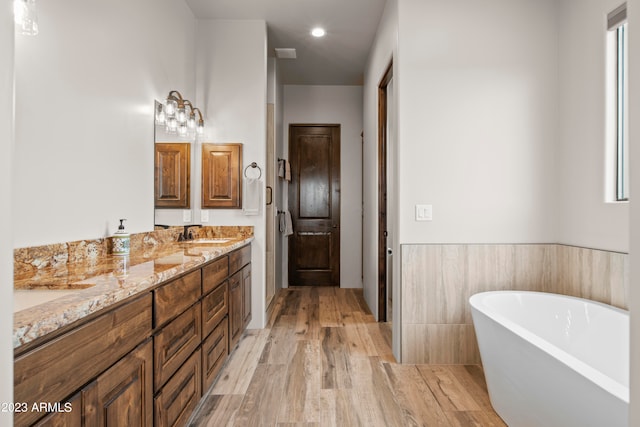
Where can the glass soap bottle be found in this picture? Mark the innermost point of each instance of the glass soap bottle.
(120, 241)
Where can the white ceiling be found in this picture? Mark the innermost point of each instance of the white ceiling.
(335, 59)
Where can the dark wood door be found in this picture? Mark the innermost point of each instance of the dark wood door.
(314, 203)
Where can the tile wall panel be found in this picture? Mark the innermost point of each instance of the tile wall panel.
(438, 280)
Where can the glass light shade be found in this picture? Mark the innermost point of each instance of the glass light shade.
(161, 117)
(191, 123)
(182, 130)
(170, 107)
(200, 128)
(26, 17)
(181, 115)
(172, 125)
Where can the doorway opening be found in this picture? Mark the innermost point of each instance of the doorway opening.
(314, 204)
(384, 251)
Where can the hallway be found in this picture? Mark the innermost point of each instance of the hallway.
(323, 361)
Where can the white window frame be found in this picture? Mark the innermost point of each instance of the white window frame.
(617, 106)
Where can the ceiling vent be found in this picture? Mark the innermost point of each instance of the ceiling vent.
(285, 53)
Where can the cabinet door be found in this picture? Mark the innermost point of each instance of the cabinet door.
(173, 175)
(235, 309)
(122, 395)
(69, 415)
(246, 298)
(221, 179)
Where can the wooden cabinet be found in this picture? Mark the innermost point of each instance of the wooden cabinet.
(123, 395)
(70, 414)
(63, 365)
(239, 293)
(173, 175)
(235, 309)
(246, 296)
(175, 297)
(214, 353)
(145, 362)
(180, 396)
(221, 176)
(174, 344)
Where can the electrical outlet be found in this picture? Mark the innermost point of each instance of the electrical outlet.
(186, 216)
(204, 216)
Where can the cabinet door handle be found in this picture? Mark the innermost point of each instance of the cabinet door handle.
(270, 195)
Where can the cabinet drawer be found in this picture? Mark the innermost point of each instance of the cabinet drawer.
(214, 307)
(213, 274)
(179, 397)
(214, 353)
(173, 298)
(239, 258)
(60, 367)
(174, 343)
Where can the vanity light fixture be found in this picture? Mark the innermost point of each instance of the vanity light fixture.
(25, 17)
(173, 113)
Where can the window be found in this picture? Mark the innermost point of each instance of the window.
(618, 88)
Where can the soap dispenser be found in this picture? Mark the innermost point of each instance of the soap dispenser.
(120, 240)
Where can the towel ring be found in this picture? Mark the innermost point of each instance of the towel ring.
(253, 165)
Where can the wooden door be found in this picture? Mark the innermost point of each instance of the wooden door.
(235, 309)
(314, 203)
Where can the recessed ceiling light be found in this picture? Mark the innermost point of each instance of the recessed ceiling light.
(318, 32)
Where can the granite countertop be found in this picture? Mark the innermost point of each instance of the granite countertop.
(56, 297)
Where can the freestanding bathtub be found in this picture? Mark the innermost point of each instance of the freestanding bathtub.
(552, 360)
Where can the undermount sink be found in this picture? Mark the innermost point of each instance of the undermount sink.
(211, 241)
(27, 298)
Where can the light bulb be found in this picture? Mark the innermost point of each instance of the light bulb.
(172, 125)
(191, 123)
(200, 128)
(26, 17)
(318, 32)
(170, 107)
(182, 130)
(181, 115)
(161, 117)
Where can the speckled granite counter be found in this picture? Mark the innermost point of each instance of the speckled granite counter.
(51, 294)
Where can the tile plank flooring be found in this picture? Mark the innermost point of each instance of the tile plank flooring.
(322, 360)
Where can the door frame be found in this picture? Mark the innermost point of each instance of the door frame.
(382, 192)
(338, 128)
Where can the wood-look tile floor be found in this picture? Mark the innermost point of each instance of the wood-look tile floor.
(323, 361)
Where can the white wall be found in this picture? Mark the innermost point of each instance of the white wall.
(6, 214)
(281, 186)
(633, 8)
(231, 81)
(336, 105)
(585, 219)
(84, 114)
(477, 98)
(384, 48)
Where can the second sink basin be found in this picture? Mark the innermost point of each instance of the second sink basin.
(205, 241)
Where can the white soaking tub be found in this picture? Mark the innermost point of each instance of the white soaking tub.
(552, 360)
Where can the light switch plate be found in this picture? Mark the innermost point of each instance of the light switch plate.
(424, 212)
(204, 216)
(186, 216)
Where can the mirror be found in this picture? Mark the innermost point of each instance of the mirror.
(174, 173)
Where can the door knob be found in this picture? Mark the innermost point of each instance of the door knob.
(334, 226)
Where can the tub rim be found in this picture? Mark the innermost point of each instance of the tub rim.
(600, 379)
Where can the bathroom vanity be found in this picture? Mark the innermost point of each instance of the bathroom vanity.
(149, 354)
